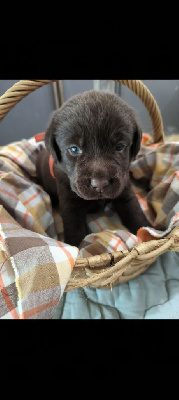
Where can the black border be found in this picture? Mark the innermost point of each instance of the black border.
(81, 347)
(92, 50)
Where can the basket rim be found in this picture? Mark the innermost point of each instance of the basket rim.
(24, 87)
(144, 254)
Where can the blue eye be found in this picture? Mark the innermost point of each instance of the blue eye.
(75, 150)
(119, 147)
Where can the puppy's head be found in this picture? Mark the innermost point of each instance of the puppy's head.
(92, 138)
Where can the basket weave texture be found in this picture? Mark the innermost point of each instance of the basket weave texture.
(108, 269)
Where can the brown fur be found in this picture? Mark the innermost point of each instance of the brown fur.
(96, 122)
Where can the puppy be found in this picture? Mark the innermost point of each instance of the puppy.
(92, 139)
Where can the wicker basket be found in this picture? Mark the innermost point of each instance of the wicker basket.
(108, 269)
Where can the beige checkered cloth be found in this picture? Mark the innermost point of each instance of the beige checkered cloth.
(35, 264)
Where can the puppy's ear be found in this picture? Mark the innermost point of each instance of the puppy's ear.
(50, 142)
(137, 136)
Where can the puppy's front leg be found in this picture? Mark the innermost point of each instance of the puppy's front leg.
(129, 210)
(74, 223)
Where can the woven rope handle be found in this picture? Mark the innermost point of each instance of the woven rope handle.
(22, 88)
(17, 92)
(146, 97)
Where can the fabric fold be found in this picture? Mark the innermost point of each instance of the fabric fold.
(35, 263)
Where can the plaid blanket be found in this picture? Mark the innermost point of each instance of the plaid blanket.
(35, 263)
(155, 177)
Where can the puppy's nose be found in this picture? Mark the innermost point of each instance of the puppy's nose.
(99, 184)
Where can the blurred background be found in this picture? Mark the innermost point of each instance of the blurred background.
(33, 113)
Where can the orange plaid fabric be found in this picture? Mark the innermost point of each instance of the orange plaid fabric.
(35, 263)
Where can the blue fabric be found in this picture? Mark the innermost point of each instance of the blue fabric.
(152, 295)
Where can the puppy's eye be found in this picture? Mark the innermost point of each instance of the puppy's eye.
(75, 150)
(120, 147)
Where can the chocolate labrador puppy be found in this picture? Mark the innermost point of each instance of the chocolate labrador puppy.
(92, 139)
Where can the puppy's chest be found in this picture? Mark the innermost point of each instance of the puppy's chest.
(93, 206)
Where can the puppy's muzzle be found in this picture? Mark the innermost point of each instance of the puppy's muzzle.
(98, 179)
(97, 188)
(99, 184)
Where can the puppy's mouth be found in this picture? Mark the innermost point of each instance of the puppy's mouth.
(95, 189)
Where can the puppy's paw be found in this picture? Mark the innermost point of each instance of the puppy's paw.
(74, 238)
(73, 241)
(75, 231)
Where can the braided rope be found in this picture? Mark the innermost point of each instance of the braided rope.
(131, 263)
(17, 92)
(146, 97)
(22, 88)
